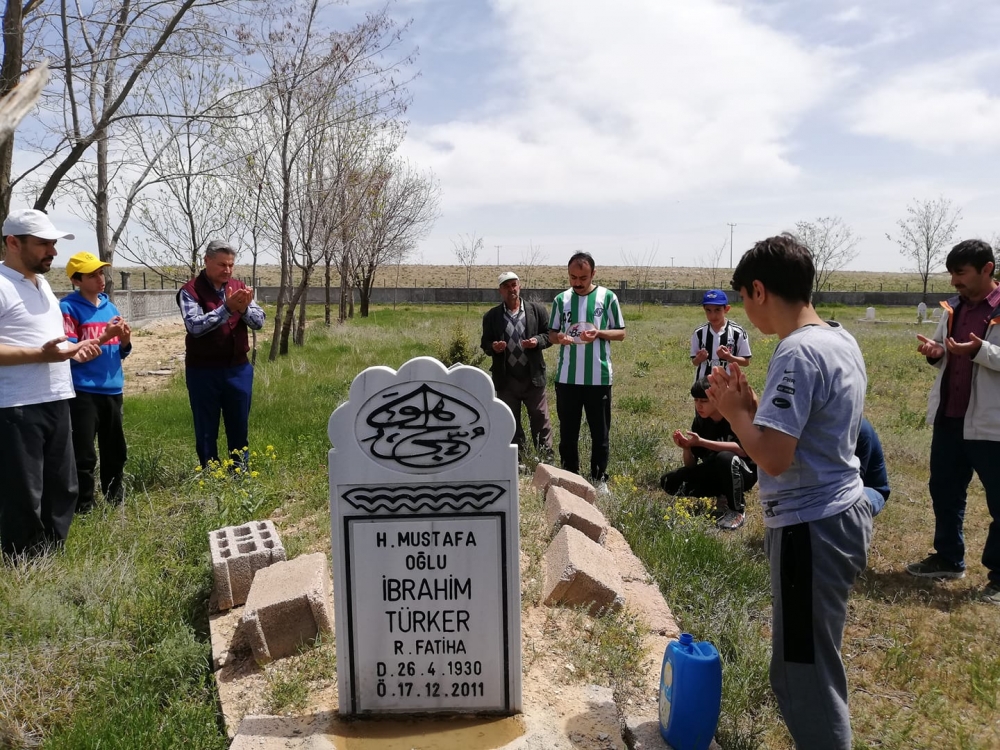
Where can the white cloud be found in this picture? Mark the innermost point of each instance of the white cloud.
(940, 106)
(631, 101)
(851, 14)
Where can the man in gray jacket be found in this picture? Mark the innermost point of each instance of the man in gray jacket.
(964, 408)
(514, 334)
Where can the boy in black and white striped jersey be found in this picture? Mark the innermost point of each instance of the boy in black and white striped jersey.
(720, 341)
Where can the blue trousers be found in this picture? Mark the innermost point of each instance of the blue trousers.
(953, 459)
(220, 390)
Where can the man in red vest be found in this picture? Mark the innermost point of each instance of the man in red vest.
(217, 311)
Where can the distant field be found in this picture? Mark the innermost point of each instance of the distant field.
(552, 276)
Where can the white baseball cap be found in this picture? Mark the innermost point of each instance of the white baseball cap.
(34, 222)
(506, 276)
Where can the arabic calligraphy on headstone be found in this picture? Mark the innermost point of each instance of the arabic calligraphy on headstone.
(421, 427)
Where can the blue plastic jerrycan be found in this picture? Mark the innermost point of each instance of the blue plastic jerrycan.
(690, 693)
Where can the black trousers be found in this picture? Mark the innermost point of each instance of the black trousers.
(722, 473)
(39, 477)
(572, 401)
(98, 415)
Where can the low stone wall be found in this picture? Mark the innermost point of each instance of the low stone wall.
(141, 306)
(484, 296)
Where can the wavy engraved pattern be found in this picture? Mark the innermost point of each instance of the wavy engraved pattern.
(423, 497)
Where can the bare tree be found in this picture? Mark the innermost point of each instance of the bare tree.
(467, 248)
(832, 242)
(177, 187)
(924, 234)
(713, 260)
(11, 70)
(640, 264)
(531, 259)
(399, 208)
(311, 74)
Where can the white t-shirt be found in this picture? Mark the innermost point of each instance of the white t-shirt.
(815, 392)
(30, 316)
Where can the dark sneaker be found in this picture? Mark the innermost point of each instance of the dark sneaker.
(731, 521)
(935, 566)
(720, 509)
(991, 594)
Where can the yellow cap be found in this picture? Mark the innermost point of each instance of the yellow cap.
(84, 263)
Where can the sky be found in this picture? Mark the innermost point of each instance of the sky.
(678, 131)
(647, 127)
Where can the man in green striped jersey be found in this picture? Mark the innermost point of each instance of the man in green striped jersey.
(585, 320)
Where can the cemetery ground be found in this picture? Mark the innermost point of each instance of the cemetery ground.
(105, 643)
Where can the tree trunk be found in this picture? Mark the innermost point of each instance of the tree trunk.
(300, 329)
(10, 74)
(286, 325)
(327, 277)
(365, 294)
(102, 214)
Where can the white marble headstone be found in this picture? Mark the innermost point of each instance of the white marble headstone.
(424, 514)
(922, 312)
(870, 313)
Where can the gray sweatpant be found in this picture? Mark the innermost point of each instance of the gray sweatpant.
(813, 567)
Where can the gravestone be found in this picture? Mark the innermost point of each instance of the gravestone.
(922, 312)
(870, 314)
(424, 514)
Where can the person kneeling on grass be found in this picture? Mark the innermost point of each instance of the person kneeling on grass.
(714, 462)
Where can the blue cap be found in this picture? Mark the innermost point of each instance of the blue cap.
(715, 297)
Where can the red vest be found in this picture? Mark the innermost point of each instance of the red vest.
(225, 346)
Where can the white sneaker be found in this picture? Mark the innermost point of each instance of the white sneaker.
(603, 490)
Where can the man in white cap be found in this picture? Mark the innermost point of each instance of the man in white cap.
(36, 447)
(514, 334)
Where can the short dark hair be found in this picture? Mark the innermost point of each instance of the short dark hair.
(582, 257)
(975, 253)
(782, 264)
(700, 388)
(77, 276)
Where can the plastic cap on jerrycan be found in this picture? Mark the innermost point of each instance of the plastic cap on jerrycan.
(690, 693)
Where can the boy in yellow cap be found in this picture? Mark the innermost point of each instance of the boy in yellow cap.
(96, 411)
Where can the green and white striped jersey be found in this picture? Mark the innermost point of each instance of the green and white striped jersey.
(585, 364)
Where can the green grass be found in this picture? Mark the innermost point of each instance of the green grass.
(104, 645)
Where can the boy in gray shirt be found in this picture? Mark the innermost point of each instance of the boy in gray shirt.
(802, 431)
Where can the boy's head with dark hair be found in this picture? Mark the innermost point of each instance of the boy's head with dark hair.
(702, 406)
(699, 388)
(974, 253)
(783, 266)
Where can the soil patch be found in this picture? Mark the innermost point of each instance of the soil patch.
(157, 356)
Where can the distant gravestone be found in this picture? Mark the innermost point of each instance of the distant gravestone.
(922, 312)
(424, 514)
(870, 314)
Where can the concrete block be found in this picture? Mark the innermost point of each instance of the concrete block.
(563, 508)
(629, 566)
(579, 571)
(648, 603)
(290, 603)
(238, 552)
(546, 475)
